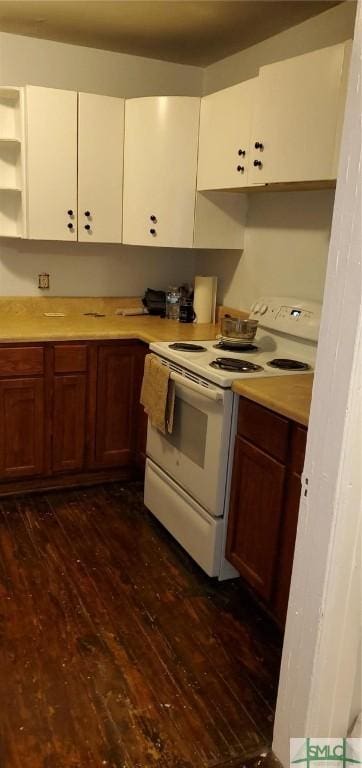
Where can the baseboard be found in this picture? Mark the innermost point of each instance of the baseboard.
(56, 482)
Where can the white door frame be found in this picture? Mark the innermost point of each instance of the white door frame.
(322, 639)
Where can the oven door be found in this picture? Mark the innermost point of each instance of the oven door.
(196, 454)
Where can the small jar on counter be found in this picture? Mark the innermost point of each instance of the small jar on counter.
(173, 296)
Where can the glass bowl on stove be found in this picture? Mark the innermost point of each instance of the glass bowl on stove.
(236, 329)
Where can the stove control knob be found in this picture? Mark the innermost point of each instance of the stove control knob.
(256, 308)
(263, 309)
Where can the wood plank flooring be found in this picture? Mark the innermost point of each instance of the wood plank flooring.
(116, 650)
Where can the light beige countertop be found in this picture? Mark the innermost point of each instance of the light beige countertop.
(288, 395)
(24, 320)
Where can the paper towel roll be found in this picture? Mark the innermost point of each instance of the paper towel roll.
(205, 299)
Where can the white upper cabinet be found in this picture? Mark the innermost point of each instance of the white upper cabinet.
(160, 163)
(51, 125)
(74, 165)
(169, 163)
(100, 168)
(297, 117)
(225, 128)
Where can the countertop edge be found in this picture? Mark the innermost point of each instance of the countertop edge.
(61, 337)
(298, 414)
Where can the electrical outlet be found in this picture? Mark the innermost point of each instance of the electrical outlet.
(43, 280)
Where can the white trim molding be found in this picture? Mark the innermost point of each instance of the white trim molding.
(323, 633)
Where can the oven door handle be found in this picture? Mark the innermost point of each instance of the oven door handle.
(211, 394)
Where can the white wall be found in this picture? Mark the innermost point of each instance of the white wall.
(285, 249)
(84, 269)
(29, 60)
(91, 270)
(287, 236)
(332, 26)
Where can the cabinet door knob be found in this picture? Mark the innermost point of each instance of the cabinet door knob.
(70, 212)
(241, 152)
(87, 226)
(70, 225)
(153, 218)
(152, 231)
(240, 168)
(87, 213)
(258, 163)
(259, 145)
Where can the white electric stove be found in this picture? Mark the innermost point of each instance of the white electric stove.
(188, 473)
(285, 343)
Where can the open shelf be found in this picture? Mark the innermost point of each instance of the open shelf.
(12, 178)
(11, 171)
(10, 92)
(7, 140)
(11, 113)
(11, 214)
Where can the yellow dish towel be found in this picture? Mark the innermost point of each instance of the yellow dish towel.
(158, 394)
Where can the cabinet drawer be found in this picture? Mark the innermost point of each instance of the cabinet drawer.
(299, 440)
(70, 358)
(263, 428)
(21, 361)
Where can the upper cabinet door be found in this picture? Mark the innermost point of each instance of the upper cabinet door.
(297, 118)
(225, 127)
(100, 168)
(160, 163)
(51, 122)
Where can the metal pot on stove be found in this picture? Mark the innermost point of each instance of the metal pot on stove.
(236, 328)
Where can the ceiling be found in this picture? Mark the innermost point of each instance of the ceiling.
(185, 31)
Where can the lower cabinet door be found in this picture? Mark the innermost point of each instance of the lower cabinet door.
(116, 406)
(142, 418)
(255, 514)
(21, 427)
(284, 567)
(69, 422)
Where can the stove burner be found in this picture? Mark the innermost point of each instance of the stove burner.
(232, 364)
(288, 365)
(184, 347)
(243, 346)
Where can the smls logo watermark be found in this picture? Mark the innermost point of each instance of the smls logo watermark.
(346, 752)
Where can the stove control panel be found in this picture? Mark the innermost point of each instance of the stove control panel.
(298, 317)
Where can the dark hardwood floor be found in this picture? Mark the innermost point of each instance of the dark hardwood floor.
(116, 650)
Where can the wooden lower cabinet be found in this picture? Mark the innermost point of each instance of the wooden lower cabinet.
(21, 427)
(254, 521)
(77, 418)
(284, 565)
(69, 420)
(141, 415)
(116, 408)
(264, 503)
